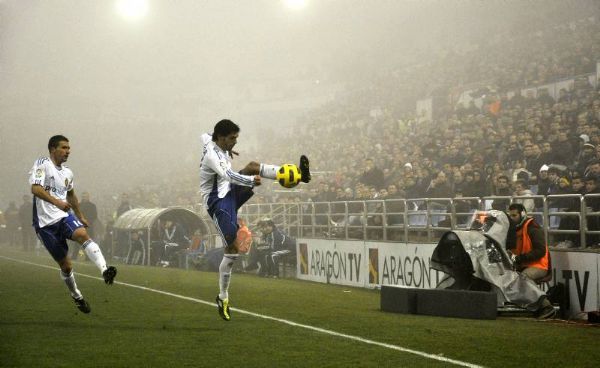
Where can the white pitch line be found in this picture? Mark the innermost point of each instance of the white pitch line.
(280, 320)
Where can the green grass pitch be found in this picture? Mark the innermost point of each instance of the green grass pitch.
(277, 323)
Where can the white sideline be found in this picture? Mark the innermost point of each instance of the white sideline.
(284, 321)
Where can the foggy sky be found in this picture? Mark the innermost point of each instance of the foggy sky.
(134, 97)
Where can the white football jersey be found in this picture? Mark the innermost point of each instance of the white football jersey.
(57, 181)
(216, 174)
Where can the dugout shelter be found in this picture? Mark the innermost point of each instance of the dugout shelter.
(149, 223)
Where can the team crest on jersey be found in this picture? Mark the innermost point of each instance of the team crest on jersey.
(39, 173)
(223, 166)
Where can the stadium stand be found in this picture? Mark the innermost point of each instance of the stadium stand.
(501, 131)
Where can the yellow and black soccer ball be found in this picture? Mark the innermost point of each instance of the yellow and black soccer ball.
(288, 175)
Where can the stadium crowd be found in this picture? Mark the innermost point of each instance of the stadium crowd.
(368, 145)
(370, 151)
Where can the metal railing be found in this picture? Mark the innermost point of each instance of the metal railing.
(569, 219)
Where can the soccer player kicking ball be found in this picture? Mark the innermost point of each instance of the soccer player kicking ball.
(56, 216)
(225, 191)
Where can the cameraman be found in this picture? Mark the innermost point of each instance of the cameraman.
(529, 251)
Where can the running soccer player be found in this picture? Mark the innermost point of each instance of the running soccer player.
(225, 191)
(57, 217)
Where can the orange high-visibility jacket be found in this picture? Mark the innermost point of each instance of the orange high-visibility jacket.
(524, 246)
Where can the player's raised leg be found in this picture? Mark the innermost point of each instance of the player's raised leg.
(275, 172)
(94, 254)
(264, 170)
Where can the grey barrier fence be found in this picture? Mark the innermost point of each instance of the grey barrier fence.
(568, 220)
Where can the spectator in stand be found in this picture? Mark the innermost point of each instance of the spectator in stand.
(382, 194)
(394, 204)
(482, 189)
(533, 157)
(522, 190)
(547, 156)
(502, 189)
(453, 156)
(577, 187)
(513, 154)
(439, 187)
(462, 208)
(468, 187)
(543, 182)
(519, 172)
(489, 154)
(598, 145)
(563, 152)
(412, 189)
(458, 182)
(372, 175)
(407, 170)
(571, 222)
(553, 175)
(593, 204)
(564, 187)
(447, 169)
(394, 193)
(586, 156)
(593, 168)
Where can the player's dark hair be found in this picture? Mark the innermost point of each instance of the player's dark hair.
(55, 140)
(223, 128)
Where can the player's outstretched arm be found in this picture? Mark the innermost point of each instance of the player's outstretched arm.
(38, 191)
